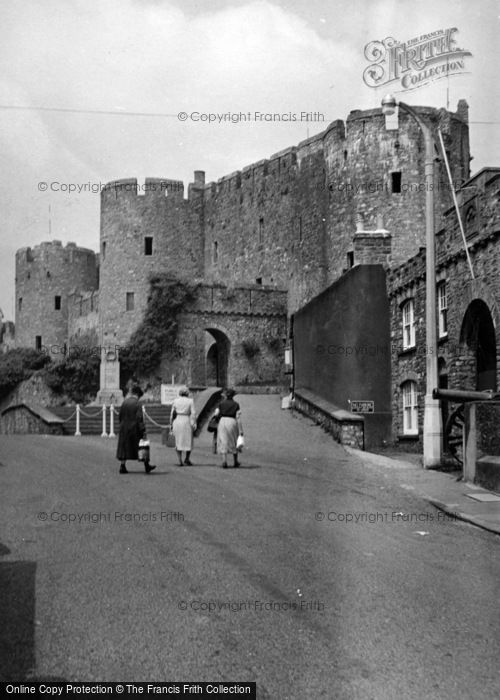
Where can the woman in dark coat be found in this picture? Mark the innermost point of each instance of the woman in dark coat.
(132, 429)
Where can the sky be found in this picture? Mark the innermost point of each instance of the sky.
(121, 71)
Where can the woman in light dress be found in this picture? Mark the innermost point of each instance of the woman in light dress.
(183, 422)
(228, 428)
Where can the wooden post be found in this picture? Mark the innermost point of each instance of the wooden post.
(104, 433)
(77, 428)
(470, 443)
(111, 421)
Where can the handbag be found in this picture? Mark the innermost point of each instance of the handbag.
(170, 441)
(143, 452)
(240, 443)
(213, 424)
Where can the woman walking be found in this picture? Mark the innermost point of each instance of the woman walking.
(229, 427)
(132, 429)
(183, 422)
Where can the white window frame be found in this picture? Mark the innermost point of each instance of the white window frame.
(442, 295)
(408, 322)
(410, 407)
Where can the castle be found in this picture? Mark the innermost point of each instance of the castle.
(261, 242)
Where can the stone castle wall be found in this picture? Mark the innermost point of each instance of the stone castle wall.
(294, 222)
(47, 271)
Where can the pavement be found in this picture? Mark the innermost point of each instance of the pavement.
(444, 490)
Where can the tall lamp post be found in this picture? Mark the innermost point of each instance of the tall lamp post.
(432, 413)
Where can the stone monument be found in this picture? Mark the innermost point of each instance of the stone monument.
(109, 392)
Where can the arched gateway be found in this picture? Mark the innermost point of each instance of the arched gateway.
(477, 337)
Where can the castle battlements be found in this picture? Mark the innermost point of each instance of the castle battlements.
(290, 221)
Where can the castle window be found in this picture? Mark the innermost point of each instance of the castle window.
(38, 342)
(300, 228)
(408, 313)
(261, 229)
(350, 259)
(215, 252)
(104, 250)
(19, 303)
(410, 408)
(396, 183)
(57, 303)
(442, 309)
(148, 245)
(48, 273)
(258, 280)
(345, 156)
(130, 301)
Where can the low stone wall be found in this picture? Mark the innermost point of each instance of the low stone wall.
(346, 428)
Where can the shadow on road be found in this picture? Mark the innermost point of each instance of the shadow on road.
(17, 612)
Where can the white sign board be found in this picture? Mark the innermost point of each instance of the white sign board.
(169, 392)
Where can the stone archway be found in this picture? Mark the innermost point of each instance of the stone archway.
(217, 352)
(478, 343)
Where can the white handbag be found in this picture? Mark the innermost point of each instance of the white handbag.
(240, 443)
(143, 450)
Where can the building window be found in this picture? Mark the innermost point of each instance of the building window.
(215, 252)
(130, 302)
(148, 245)
(258, 280)
(410, 408)
(20, 304)
(350, 259)
(57, 303)
(48, 273)
(396, 183)
(300, 228)
(261, 230)
(408, 312)
(38, 342)
(443, 310)
(104, 250)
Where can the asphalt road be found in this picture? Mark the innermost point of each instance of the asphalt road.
(250, 574)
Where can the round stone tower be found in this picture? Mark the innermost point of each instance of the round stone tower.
(145, 229)
(45, 275)
(375, 176)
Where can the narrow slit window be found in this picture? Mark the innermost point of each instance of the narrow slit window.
(130, 301)
(261, 230)
(148, 245)
(396, 183)
(57, 303)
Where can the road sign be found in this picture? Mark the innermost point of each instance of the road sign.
(362, 406)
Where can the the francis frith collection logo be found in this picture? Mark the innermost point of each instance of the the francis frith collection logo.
(416, 62)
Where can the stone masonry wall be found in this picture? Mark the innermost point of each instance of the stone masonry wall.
(456, 360)
(42, 273)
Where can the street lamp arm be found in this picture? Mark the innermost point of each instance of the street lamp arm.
(429, 138)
